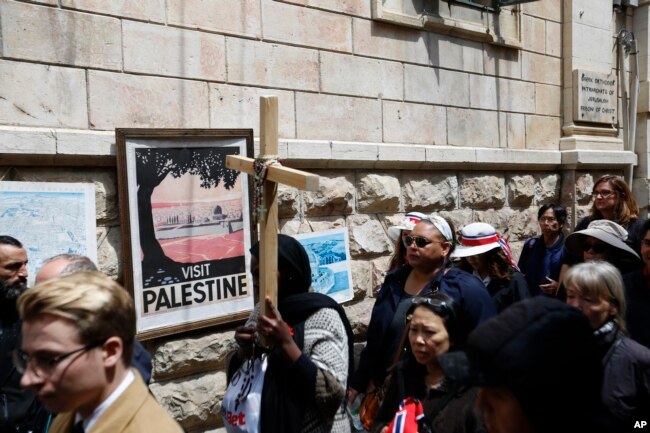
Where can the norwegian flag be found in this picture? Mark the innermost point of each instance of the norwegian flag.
(407, 416)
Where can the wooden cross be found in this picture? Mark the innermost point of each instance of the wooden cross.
(268, 220)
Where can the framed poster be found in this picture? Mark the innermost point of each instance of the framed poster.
(329, 259)
(49, 218)
(185, 227)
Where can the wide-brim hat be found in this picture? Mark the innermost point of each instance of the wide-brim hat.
(604, 230)
(475, 239)
(409, 221)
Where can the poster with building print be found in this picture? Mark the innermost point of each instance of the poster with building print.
(186, 224)
(329, 258)
(49, 218)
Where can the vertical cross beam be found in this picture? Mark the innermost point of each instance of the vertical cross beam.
(275, 174)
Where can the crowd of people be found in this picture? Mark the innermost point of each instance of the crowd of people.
(462, 337)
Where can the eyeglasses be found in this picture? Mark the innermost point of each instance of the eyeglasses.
(603, 193)
(43, 365)
(597, 248)
(420, 242)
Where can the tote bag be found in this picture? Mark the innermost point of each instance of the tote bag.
(240, 408)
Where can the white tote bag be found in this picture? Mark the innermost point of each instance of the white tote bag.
(240, 408)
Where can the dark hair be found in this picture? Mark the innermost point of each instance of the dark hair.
(558, 210)
(8, 240)
(399, 255)
(498, 265)
(626, 207)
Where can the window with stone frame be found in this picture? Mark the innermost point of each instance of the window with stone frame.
(471, 19)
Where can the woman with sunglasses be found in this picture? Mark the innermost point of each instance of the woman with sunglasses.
(613, 201)
(428, 270)
(604, 240)
(433, 328)
(486, 254)
(596, 289)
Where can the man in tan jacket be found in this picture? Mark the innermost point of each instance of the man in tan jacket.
(78, 334)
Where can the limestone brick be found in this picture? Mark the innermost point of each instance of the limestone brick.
(145, 102)
(338, 117)
(472, 128)
(194, 401)
(405, 154)
(359, 316)
(548, 188)
(305, 26)
(378, 273)
(288, 201)
(367, 237)
(482, 191)
(19, 140)
(145, 10)
(241, 17)
(591, 48)
(514, 95)
(553, 39)
(548, 100)
(361, 278)
(430, 192)
(541, 68)
(184, 356)
(483, 92)
(591, 13)
(259, 63)
(350, 7)
(76, 142)
(436, 86)
(543, 132)
(239, 107)
(56, 96)
(158, 50)
(547, 9)
(497, 218)
(46, 34)
(377, 193)
(385, 41)
(361, 76)
(533, 34)
(502, 61)
(521, 190)
(414, 123)
(516, 130)
(109, 251)
(583, 187)
(459, 54)
(307, 149)
(334, 197)
(522, 224)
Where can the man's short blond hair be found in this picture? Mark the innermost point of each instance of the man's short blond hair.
(98, 306)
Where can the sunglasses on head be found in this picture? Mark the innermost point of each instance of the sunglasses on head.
(598, 248)
(439, 306)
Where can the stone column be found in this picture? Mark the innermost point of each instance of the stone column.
(641, 187)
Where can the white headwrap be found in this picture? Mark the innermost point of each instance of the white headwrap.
(442, 225)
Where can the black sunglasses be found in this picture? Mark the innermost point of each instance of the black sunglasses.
(598, 248)
(420, 242)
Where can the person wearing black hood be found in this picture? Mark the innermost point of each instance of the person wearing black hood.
(538, 367)
(310, 355)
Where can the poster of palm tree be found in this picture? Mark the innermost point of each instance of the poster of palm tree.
(185, 227)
